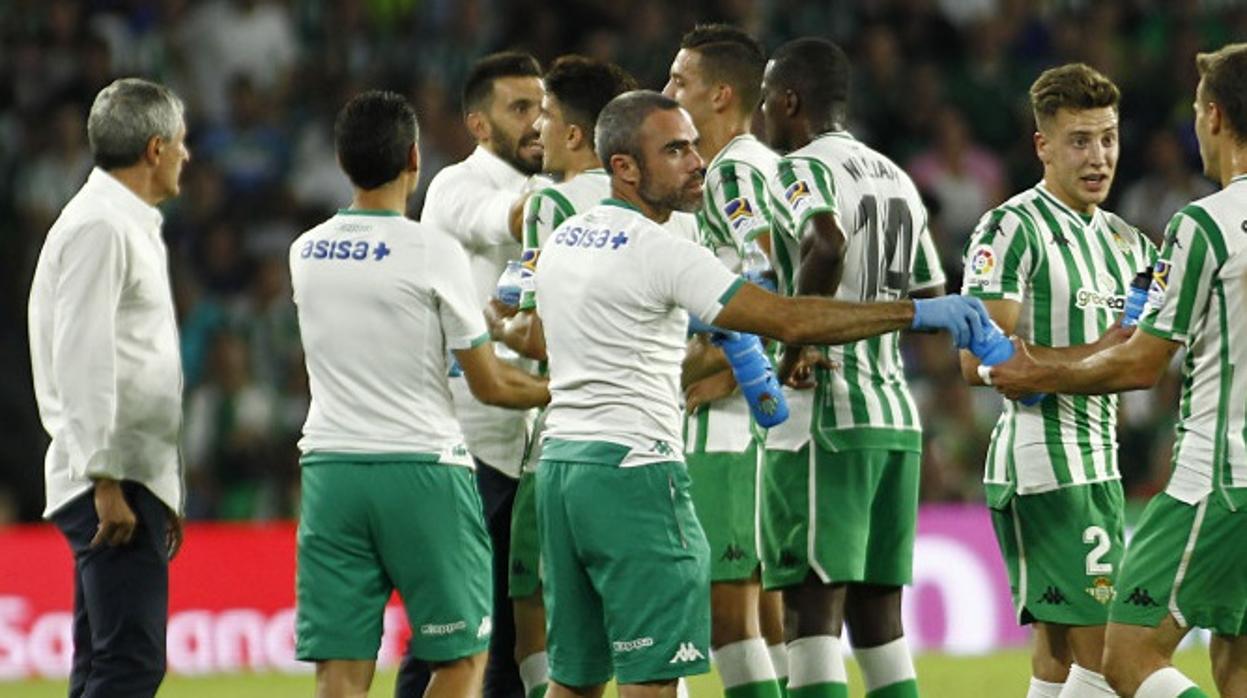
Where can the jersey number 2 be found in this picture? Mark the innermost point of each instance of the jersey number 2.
(1097, 535)
(887, 276)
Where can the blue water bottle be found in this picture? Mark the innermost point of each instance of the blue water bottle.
(1136, 298)
(508, 290)
(995, 348)
(755, 377)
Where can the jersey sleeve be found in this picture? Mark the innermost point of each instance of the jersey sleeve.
(690, 276)
(998, 258)
(476, 216)
(927, 270)
(805, 188)
(1183, 275)
(738, 209)
(543, 212)
(463, 323)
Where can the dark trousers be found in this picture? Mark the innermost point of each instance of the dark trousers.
(502, 676)
(121, 599)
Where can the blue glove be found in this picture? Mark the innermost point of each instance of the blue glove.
(964, 317)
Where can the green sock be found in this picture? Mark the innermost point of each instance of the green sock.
(901, 689)
(820, 690)
(783, 687)
(758, 689)
(1193, 692)
(538, 691)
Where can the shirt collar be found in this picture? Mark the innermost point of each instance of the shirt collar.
(1070, 213)
(139, 211)
(498, 170)
(722, 151)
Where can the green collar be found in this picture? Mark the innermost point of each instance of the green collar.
(612, 201)
(368, 212)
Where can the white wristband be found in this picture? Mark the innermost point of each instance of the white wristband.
(985, 373)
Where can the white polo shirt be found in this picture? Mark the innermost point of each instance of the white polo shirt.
(104, 347)
(381, 299)
(471, 202)
(613, 288)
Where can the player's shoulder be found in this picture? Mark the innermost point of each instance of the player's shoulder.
(1016, 211)
(1220, 211)
(747, 151)
(1122, 228)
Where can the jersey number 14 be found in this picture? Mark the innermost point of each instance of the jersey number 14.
(887, 264)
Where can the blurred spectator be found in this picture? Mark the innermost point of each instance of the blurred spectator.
(55, 175)
(966, 178)
(250, 149)
(1167, 185)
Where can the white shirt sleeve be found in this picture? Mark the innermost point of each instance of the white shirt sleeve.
(690, 276)
(462, 321)
(84, 346)
(476, 216)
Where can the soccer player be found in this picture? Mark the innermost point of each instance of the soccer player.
(576, 89)
(1186, 565)
(1053, 267)
(472, 202)
(715, 77)
(840, 500)
(626, 564)
(389, 499)
(108, 381)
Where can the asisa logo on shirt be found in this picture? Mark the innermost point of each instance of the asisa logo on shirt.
(357, 250)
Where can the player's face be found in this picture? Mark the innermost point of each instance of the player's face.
(512, 115)
(173, 154)
(687, 85)
(672, 172)
(1203, 133)
(774, 117)
(552, 131)
(1079, 153)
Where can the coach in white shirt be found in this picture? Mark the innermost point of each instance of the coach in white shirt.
(108, 380)
(473, 202)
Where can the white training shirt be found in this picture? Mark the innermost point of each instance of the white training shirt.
(381, 299)
(613, 288)
(104, 347)
(471, 202)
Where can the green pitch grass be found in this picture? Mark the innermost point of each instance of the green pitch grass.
(939, 676)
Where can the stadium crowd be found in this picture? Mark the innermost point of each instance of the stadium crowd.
(940, 86)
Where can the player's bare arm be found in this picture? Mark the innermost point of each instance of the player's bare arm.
(499, 384)
(1134, 365)
(522, 333)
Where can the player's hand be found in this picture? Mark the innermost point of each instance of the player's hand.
(713, 387)
(964, 317)
(117, 520)
(496, 314)
(1020, 375)
(796, 366)
(1114, 335)
(174, 535)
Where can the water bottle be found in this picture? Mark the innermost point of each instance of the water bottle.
(995, 348)
(755, 377)
(508, 290)
(1136, 298)
(755, 266)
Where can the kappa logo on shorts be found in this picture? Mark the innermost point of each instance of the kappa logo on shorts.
(485, 628)
(443, 628)
(788, 559)
(1053, 597)
(1140, 597)
(518, 567)
(1102, 590)
(688, 652)
(733, 553)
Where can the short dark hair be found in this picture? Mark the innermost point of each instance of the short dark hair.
(1224, 73)
(584, 86)
(817, 71)
(1074, 86)
(479, 87)
(619, 125)
(373, 134)
(729, 55)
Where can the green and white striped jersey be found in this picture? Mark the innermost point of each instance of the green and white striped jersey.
(1199, 286)
(888, 253)
(546, 210)
(1071, 274)
(736, 209)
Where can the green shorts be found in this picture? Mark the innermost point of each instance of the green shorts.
(725, 497)
(1189, 561)
(525, 562)
(627, 570)
(370, 524)
(1063, 551)
(847, 516)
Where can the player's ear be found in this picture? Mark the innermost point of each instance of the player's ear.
(722, 96)
(575, 137)
(1214, 118)
(625, 167)
(1041, 147)
(413, 158)
(155, 146)
(792, 103)
(478, 126)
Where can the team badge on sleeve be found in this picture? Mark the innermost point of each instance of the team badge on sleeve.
(982, 265)
(1160, 283)
(797, 195)
(740, 214)
(528, 269)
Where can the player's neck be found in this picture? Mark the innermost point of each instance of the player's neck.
(1059, 194)
(1233, 163)
(579, 163)
(718, 133)
(631, 197)
(140, 180)
(391, 196)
